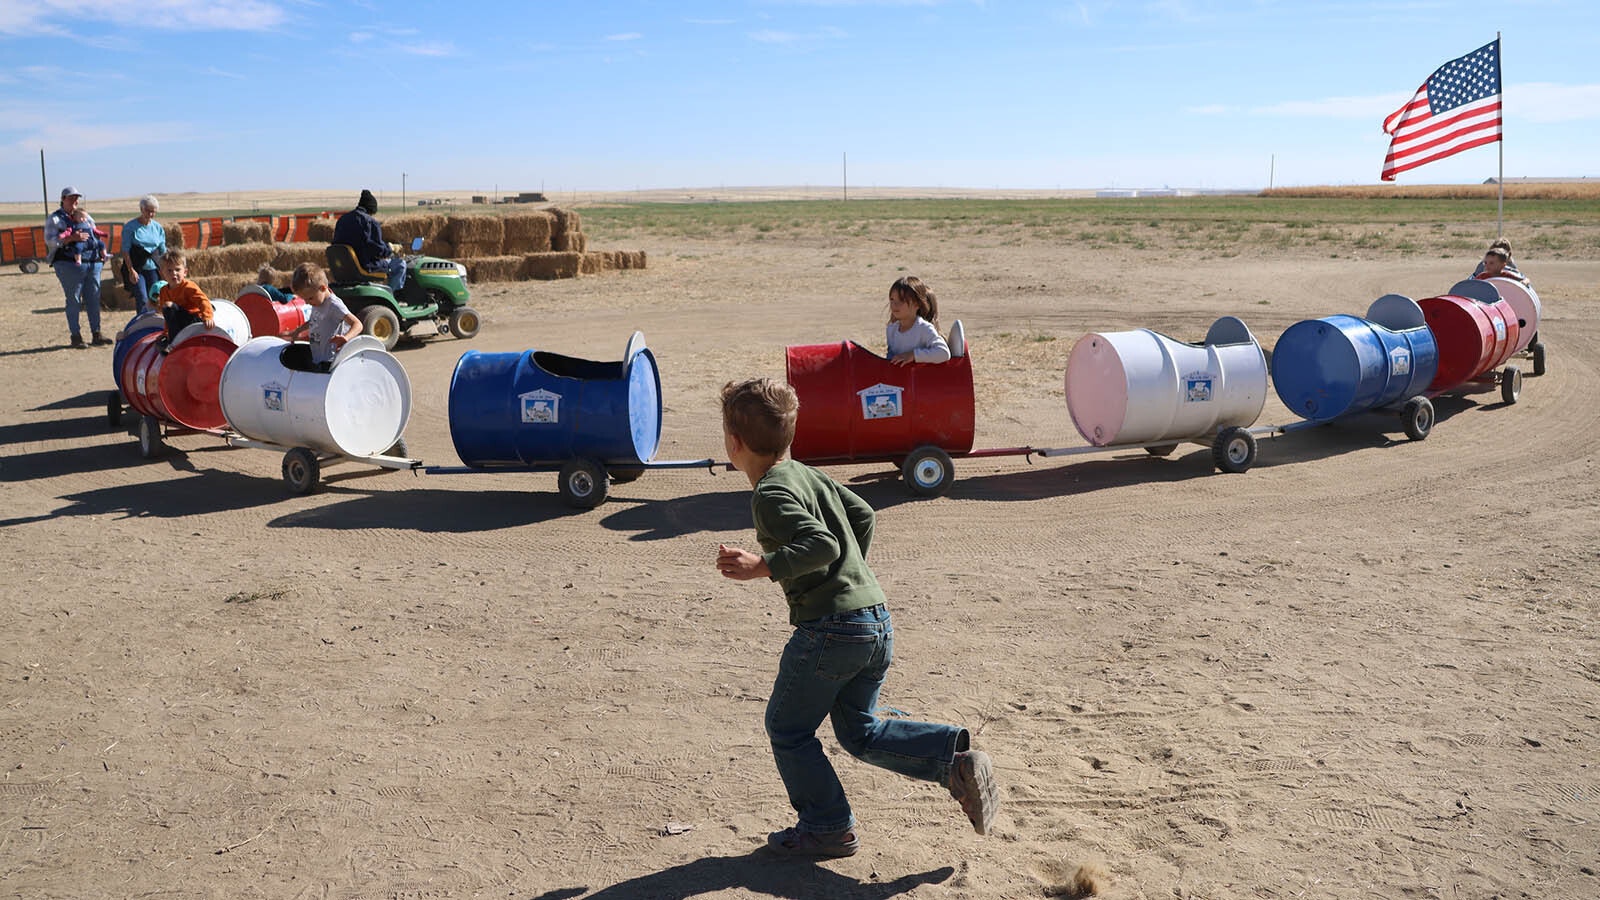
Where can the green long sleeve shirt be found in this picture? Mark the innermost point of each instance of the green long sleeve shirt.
(814, 534)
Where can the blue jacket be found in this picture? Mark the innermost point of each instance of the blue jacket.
(362, 232)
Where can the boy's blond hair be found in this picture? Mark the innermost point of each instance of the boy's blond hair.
(173, 256)
(307, 275)
(761, 413)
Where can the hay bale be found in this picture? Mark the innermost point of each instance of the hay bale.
(593, 263)
(287, 256)
(246, 233)
(476, 235)
(575, 241)
(547, 266)
(320, 230)
(439, 247)
(529, 232)
(470, 249)
(112, 296)
(174, 237)
(222, 287)
(404, 229)
(228, 259)
(493, 268)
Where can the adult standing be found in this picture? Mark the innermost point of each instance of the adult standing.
(144, 240)
(80, 280)
(361, 231)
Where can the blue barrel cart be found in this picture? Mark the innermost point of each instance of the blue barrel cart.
(1341, 366)
(595, 423)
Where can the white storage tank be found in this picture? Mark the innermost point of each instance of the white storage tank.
(357, 409)
(1143, 388)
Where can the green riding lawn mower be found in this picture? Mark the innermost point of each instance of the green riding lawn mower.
(435, 292)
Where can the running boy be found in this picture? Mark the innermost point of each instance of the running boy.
(814, 534)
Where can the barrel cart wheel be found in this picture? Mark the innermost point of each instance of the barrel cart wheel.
(928, 471)
(1161, 449)
(583, 483)
(114, 408)
(150, 444)
(1510, 384)
(398, 448)
(29, 267)
(1234, 449)
(381, 322)
(1417, 415)
(301, 470)
(625, 474)
(1538, 356)
(464, 322)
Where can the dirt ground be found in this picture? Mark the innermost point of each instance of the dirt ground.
(1367, 667)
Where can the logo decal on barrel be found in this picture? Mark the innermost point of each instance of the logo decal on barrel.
(1197, 387)
(1500, 329)
(1400, 361)
(881, 401)
(272, 396)
(540, 407)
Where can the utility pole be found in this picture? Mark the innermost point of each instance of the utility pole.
(402, 190)
(846, 175)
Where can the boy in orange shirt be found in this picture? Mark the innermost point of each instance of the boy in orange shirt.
(181, 300)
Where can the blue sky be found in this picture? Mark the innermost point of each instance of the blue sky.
(165, 96)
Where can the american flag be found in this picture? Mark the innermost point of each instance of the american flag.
(1456, 109)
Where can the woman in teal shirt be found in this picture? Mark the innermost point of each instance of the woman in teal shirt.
(143, 241)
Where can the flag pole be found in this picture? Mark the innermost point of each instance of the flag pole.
(1500, 208)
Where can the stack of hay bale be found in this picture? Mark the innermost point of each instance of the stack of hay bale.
(522, 246)
(542, 244)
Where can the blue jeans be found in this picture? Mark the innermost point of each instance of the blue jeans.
(141, 288)
(80, 282)
(833, 667)
(395, 268)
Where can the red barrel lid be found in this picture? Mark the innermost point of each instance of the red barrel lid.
(190, 379)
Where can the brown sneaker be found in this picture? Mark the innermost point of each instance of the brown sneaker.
(100, 340)
(972, 784)
(799, 842)
(77, 343)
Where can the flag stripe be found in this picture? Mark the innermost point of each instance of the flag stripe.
(1487, 116)
(1437, 156)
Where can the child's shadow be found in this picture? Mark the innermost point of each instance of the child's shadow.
(758, 872)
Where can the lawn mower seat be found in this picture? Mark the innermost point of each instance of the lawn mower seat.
(346, 269)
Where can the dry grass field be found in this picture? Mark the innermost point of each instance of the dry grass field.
(1366, 668)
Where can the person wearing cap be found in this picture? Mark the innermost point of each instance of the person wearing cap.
(359, 230)
(80, 279)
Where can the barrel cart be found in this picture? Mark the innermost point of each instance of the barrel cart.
(1141, 388)
(228, 321)
(268, 317)
(174, 392)
(1341, 366)
(1475, 338)
(355, 412)
(858, 407)
(1524, 302)
(594, 423)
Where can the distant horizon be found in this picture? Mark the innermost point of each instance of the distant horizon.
(569, 98)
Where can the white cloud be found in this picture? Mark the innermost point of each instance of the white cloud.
(441, 48)
(1535, 101)
(625, 36)
(49, 17)
(1544, 102)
